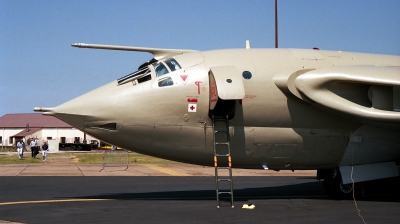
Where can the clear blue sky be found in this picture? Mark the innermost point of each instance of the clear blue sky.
(38, 67)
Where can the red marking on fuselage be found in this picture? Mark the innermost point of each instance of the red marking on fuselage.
(192, 100)
(198, 86)
(183, 77)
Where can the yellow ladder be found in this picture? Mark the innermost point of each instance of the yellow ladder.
(221, 140)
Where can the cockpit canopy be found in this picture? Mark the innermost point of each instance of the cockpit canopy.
(161, 69)
(144, 71)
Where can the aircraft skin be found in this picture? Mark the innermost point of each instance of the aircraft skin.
(299, 109)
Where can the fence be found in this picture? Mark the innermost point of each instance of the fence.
(8, 149)
(114, 158)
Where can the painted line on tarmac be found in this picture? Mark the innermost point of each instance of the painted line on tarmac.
(240, 197)
(163, 199)
(23, 170)
(51, 201)
(80, 169)
(166, 170)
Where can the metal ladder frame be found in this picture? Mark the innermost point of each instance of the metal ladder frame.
(228, 156)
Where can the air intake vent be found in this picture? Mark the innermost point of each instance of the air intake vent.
(108, 126)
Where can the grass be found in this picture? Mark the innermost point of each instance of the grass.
(84, 158)
(134, 158)
(13, 159)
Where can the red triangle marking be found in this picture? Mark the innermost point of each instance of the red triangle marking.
(184, 77)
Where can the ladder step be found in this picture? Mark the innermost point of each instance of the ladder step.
(223, 167)
(227, 180)
(221, 132)
(222, 155)
(220, 119)
(224, 192)
(222, 143)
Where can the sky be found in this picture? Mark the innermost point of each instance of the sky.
(39, 68)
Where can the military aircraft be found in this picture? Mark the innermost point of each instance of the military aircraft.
(287, 109)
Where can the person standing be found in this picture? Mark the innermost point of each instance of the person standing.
(20, 149)
(45, 147)
(33, 147)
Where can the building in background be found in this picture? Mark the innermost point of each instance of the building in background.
(14, 127)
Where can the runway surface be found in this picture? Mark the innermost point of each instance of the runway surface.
(187, 199)
(46, 169)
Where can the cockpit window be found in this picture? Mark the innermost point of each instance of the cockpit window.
(144, 72)
(160, 69)
(167, 81)
(173, 64)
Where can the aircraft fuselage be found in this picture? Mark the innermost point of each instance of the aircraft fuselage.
(168, 116)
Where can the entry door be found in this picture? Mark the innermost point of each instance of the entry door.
(226, 83)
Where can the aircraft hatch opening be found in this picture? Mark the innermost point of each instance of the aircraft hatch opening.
(222, 108)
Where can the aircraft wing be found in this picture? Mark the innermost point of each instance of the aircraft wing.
(158, 53)
(369, 93)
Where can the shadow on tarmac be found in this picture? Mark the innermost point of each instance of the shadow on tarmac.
(385, 190)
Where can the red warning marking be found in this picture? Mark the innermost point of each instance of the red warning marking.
(183, 77)
(250, 96)
(198, 86)
(192, 107)
(214, 100)
(192, 100)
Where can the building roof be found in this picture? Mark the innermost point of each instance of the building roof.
(34, 121)
(26, 132)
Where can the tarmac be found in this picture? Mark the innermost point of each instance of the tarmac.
(133, 170)
(60, 168)
(62, 191)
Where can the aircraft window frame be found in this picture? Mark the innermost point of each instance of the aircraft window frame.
(161, 72)
(165, 81)
(173, 65)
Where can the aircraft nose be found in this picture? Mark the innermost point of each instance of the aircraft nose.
(92, 106)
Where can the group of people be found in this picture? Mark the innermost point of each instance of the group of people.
(34, 149)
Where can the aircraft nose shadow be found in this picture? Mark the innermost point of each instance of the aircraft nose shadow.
(305, 190)
(309, 190)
